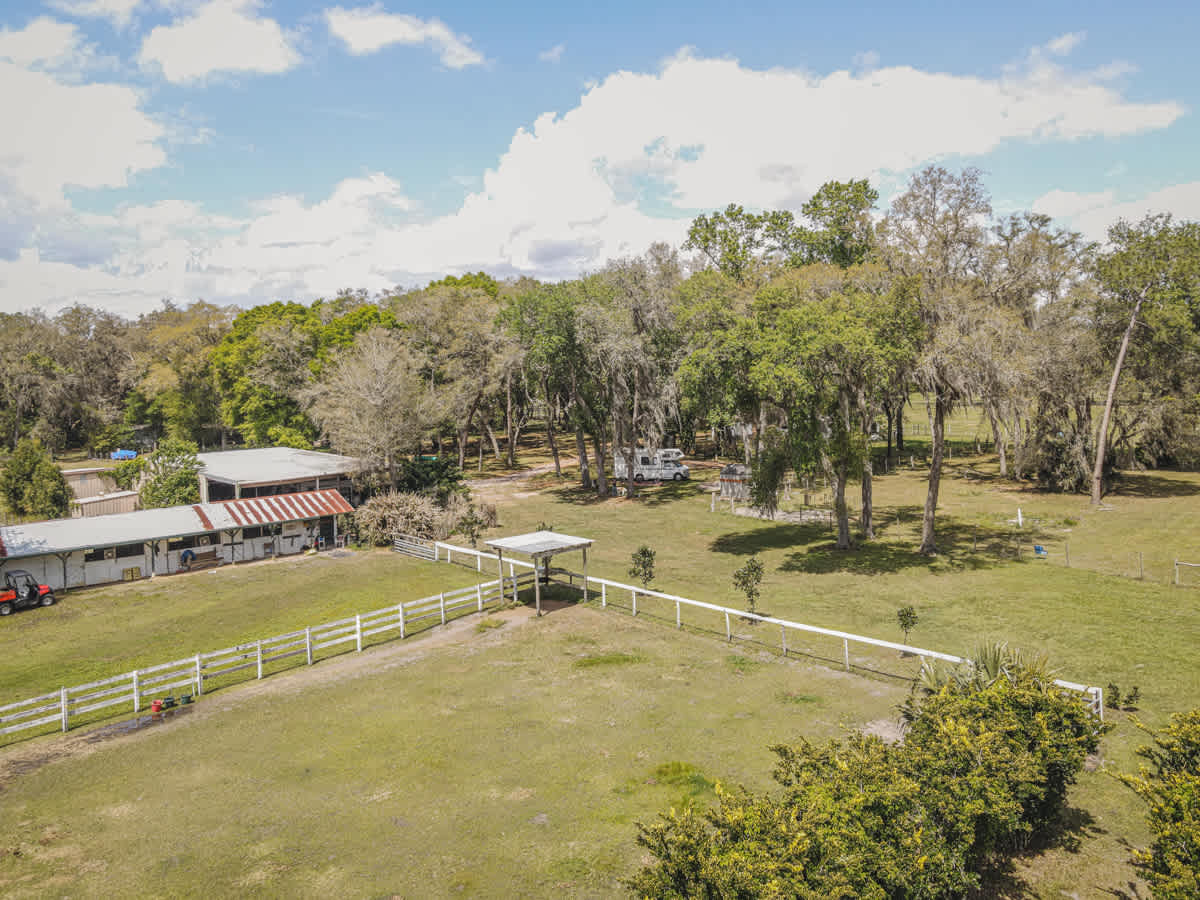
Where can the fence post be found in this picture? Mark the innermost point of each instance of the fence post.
(1067, 552)
(634, 602)
(66, 710)
(783, 636)
(1176, 573)
(1141, 571)
(442, 605)
(728, 630)
(603, 595)
(358, 632)
(308, 645)
(199, 676)
(258, 654)
(479, 595)
(846, 653)
(677, 622)
(137, 693)
(478, 563)
(400, 610)
(435, 552)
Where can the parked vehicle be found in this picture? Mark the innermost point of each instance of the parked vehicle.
(21, 590)
(652, 465)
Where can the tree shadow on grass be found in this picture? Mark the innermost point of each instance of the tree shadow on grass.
(768, 537)
(1004, 883)
(1151, 485)
(648, 494)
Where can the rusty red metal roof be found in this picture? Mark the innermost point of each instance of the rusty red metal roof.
(276, 508)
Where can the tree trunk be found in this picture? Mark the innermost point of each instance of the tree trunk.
(492, 437)
(867, 517)
(747, 446)
(1000, 442)
(464, 431)
(509, 424)
(937, 425)
(887, 410)
(840, 510)
(900, 427)
(585, 474)
(1102, 435)
(630, 451)
(601, 462)
(550, 428)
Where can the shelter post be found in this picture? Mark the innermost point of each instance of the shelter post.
(500, 572)
(537, 584)
(585, 578)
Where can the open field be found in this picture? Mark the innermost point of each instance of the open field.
(98, 632)
(512, 762)
(438, 770)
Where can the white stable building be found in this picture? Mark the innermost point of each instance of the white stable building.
(69, 553)
(268, 471)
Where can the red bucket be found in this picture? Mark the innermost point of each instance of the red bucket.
(156, 706)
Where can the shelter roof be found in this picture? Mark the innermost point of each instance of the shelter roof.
(272, 465)
(67, 535)
(539, 543)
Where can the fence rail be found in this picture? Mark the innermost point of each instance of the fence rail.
(193, 672)
(413, 546)
(1094, 695)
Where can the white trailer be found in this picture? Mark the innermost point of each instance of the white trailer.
(652, 465)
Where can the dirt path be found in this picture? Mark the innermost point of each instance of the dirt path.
(543, 469)
(21, 759)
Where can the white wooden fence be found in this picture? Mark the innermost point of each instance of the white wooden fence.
(1094, 695)
(192, 673)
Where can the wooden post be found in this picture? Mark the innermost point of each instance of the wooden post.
(728, 630)
(358, 632)
(585, 578)
(603, 595)
(258, 649)
(442, 605)
(846, 653)
(137, 693)
(308, 645)
(400, 610)
(634, 602)
(66, 710)
(478, 562)
(199, 676)
(537, 586)
(678, 624)
(783, 636)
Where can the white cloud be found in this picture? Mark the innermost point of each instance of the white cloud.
(60, 134)
(118, 12)
(43, 44)
(220, 36)
(368, 29)
(868, 59)
(628, 165)
(554, 54)
(1065, 43)
(1092, 214)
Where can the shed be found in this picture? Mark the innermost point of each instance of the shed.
(86, 551)
(541, 547)
(735, 482)
(91, 482)
(267, 471)
(105, 504)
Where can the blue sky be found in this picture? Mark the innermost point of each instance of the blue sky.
(243, 151)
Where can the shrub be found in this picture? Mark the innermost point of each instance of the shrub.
(420, 515)
(642, 567)
(906, 618)
(32, 485)
(747, 580)
(1171, 789)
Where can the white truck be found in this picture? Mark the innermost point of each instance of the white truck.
(652, 465)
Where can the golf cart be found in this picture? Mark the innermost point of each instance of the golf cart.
(20, 589)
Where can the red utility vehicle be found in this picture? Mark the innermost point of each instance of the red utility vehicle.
(20, 589)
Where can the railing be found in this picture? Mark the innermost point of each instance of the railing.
(1094, 695)
(478, 555)
(413, 546)
(191, 673)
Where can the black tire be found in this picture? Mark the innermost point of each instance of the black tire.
(47, 598)
(6, 609)
(678, 476)
(637, 478)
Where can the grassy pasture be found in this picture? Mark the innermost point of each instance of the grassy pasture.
(468, 829)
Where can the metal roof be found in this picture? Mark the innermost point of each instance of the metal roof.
(114, 495)
(540, 543)
(272, 465)
(67, 535)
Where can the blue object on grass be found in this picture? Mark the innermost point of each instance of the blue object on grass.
(1039, 550)
(123, 454)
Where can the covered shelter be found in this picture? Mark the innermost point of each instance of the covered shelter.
(269, 471)
(541, 547)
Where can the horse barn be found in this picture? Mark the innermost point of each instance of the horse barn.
(69, 553)
(267, 471)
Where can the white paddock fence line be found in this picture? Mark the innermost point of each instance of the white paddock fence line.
(1186, 565)
(134, 687)
(1094, 695)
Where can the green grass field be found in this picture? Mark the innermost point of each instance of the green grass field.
(515, 761)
